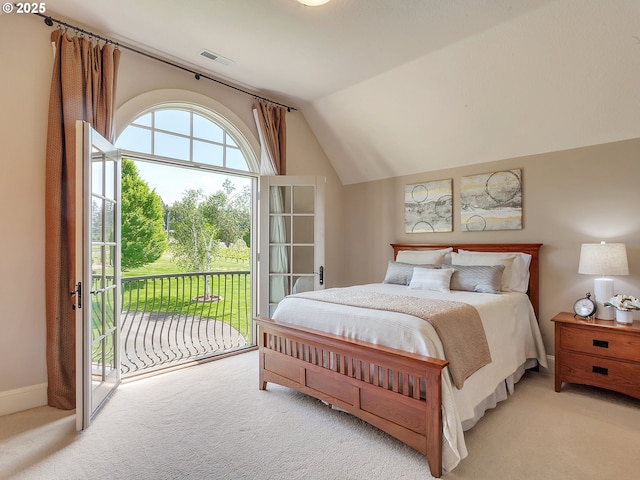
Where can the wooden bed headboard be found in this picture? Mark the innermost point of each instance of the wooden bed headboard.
(532, 249)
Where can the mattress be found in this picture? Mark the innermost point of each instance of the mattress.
(510, 326)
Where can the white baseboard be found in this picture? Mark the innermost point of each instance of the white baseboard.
(551, 361)
(13, 401)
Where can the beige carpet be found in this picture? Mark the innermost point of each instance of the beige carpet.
(212, 422)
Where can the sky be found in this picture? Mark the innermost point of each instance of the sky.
(172, 131)
(171, 182)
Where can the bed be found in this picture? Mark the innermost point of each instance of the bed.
(389, 368)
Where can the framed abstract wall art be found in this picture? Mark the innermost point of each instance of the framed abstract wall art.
(428, 207)
(491, 201)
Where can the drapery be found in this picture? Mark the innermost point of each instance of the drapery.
(270, 120)
(272, 130)
(83, 87)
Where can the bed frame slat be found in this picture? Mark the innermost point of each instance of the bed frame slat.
(380, 385)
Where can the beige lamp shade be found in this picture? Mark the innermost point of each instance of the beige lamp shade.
(603, 259)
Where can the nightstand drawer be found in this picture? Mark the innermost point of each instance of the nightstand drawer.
(601, 372)
(613, 344)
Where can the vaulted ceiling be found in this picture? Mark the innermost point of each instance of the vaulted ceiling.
(397, 87)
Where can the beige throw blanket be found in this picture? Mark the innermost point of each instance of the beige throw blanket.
(457, 324)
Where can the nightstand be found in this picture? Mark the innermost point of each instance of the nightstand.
(601, 353)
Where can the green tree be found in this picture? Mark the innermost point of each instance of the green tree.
(200, 224)
(234, 214)
(194, 241)
(143, 237)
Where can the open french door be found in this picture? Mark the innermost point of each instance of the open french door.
(291, 238)
(97, 295)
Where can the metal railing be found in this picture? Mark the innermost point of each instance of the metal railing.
(182, 317)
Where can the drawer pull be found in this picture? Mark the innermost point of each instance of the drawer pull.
(601, 343)
(600, 370)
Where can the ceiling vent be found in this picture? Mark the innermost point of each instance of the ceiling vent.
(215, 57)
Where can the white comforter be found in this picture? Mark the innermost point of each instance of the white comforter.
(510, 326)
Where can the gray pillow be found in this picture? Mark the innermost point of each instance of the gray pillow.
(400, 273)
(477, 278)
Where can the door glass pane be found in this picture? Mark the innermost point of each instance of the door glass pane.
(109, 222)
(302, 259)
(109, 173)
(109, 354)
(303, 230)
(97, 329)
(97, 173)
(303, 284)
(303, 199)
(279, 229)
(279, 200)
(109, 297)
(278, 259)
(109, 262)
(96, 219)
(278, 287)
(96, 267)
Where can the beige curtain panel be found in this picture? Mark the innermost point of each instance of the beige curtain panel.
(272, 129)
(83, 87)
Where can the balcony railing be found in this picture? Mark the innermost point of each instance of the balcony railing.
(182, 317)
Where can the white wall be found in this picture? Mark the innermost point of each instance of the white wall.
(570, 197)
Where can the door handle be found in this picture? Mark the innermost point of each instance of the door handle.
(321, 275)
(78, 293)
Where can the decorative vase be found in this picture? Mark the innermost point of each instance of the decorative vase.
(624, 316)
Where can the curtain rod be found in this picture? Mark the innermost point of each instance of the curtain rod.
(49, 21)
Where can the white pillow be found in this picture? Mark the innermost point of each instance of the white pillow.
(431, 279)
(423, 257)
(519, 281)
(488, 259)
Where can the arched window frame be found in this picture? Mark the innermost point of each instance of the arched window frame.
(221, 121)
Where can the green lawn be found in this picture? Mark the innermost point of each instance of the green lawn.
(165, 265)
(177, 295)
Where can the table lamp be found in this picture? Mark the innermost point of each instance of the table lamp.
(603, 259)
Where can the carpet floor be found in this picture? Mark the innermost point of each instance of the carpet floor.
(211, 422)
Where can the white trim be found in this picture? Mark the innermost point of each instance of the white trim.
(130, 110)
(13, 401)
(551, 362)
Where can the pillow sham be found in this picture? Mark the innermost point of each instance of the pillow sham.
(399, 273)
(487, 259)
(423, 257)
(435, 279)
(519, 281)
(476, 278)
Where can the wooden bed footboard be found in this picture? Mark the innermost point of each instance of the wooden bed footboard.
(397, 392)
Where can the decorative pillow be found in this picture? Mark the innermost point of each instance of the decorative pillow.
(423, 257)
(477, 278)
(400, 273)
(431, 279)
(519, 281)
(487, 259)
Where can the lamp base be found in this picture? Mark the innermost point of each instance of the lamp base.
(603, 291)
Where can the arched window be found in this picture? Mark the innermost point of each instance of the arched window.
(190, 134)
